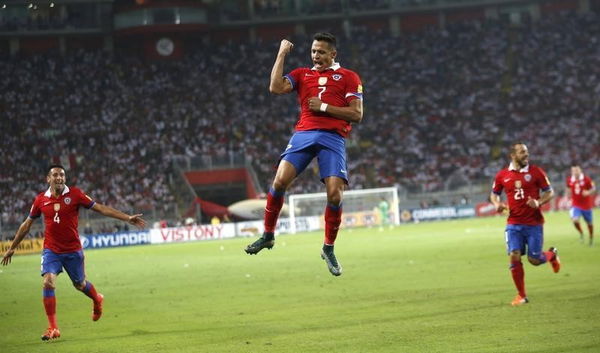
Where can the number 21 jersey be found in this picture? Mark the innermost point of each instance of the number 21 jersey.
(520, 185)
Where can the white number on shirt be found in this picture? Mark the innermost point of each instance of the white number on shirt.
(322, 89)
(577, 189)
(56, 218)
(519, 194)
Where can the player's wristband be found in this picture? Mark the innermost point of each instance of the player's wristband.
(324, 107)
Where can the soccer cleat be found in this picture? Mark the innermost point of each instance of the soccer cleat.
(555, 261)
(334, 267)
(97, 313)
(519, 300)
(260, 244)
(51, 333)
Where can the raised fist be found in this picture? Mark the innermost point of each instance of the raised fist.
(285, 47)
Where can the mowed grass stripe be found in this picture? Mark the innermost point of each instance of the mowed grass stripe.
(428, 287)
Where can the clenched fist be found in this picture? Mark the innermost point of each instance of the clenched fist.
(285, 47)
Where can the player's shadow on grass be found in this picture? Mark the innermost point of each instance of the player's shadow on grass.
(132, 333)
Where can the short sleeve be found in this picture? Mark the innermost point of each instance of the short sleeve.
(590, 183)
(354, 88)
(294, 77)
(543, 182)
(35, 211)
(83, 199)
(497, 187)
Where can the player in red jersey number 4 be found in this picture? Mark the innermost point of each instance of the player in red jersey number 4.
(62, 248)
(330, 99)
(522, 183)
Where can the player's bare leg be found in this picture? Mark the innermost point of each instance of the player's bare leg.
(333, 217)
(591, 230)
(52, 331)
(286, 172)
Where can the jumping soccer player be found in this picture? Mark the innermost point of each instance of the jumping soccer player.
(62, 248)
(522, 183)
(581, 190)
(330, 99)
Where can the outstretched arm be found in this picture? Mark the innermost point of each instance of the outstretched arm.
(21, 233)
(352, 113)
(279, 84)
(108, 211)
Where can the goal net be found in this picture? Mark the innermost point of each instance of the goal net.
(361, 208)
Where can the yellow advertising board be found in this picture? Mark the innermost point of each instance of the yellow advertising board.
(27, 246)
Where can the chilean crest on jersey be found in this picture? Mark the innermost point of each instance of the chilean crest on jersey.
(67, 200)
(528, 177)
(336, 77)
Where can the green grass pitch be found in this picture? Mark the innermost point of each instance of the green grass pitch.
(429, 287)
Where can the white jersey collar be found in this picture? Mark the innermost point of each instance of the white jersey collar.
(49, 191)
(512, 167)
(575, 179)
(335, 66)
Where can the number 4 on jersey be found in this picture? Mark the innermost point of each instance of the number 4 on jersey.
(56, 218)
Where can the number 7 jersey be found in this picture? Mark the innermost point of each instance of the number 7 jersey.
(336, 86)
(61, 218)
(520, 185)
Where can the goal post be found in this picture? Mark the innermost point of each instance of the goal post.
(360, 207)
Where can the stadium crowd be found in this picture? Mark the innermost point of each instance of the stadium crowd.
(440, 106)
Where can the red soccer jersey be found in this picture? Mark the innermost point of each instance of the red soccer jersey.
(577, 186)
(519, 186)
(336, 86)
(61, 215)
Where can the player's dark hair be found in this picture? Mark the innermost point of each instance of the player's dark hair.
(326, 37)
(513, 146)
(52, 166)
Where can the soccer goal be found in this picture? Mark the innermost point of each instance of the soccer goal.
(361, 207)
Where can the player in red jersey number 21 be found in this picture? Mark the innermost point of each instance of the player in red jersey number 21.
(522, 183)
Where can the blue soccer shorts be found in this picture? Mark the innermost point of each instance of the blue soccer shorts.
(525, 238)
(577, 212)
(72, 262)
(329, 148)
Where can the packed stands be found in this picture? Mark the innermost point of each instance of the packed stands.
(440, 105)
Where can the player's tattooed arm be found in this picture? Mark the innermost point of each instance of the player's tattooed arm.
(278, 83)
(352, 113)
(546, 196)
